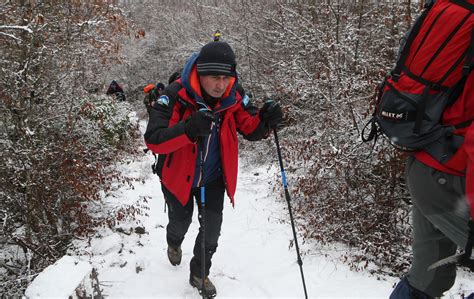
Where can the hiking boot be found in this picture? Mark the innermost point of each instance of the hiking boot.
(209, 288)
(174, 255)
(405, 290)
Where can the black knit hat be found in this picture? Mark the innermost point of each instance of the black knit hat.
(216, 58)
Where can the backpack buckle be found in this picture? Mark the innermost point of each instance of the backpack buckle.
(466, 68)
(436, 87)
(395, 76)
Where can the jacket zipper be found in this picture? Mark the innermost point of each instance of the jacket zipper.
(204, 156)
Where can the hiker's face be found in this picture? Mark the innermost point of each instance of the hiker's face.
(215, 85)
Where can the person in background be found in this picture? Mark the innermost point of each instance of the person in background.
(152, 93)
(441, 215)
(116, 90)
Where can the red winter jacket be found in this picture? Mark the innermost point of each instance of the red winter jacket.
(462, 163)
(462, 109)
(165, 134)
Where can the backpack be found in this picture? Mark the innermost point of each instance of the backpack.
(175, 76)
(433, 64)
(150, 97)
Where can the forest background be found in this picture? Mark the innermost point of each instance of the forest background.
(60, 136)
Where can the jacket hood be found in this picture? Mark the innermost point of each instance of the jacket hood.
(190, 82)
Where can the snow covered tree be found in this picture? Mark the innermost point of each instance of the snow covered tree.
(58, 134)
(335, 54)
(321, 59)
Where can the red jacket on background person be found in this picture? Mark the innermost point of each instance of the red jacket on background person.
(460, 111)
(440, 178)
(166, 135)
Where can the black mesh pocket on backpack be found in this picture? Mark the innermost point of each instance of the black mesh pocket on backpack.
(411, 121)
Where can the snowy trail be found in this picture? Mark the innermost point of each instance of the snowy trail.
(253, 259)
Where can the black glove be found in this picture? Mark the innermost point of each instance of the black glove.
(271, 113)
(199, 124)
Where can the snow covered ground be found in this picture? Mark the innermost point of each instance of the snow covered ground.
(254, 258)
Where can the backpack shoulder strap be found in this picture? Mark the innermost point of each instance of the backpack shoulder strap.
(173, 89)
(464, 4)
(182, 108)
(467, 68)
(411, 37)
(469, 62)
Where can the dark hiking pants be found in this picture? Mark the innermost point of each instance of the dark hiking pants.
(440, 216)
(180, 217)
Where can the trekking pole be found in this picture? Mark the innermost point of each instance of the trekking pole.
(288, 199)
(203, 235)
(203, 218)
(202, 215)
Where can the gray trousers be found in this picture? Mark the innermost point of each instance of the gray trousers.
(440, 224)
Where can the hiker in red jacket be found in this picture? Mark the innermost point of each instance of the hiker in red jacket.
(193, 127)
(440, 178)
(441, 212)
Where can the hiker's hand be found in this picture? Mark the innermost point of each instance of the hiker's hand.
(271, 113)
(199, 124)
